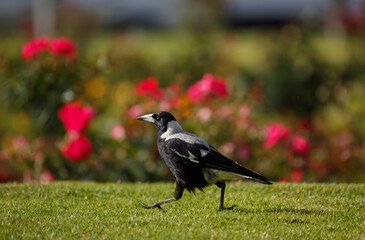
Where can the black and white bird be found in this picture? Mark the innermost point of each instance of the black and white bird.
(193, 162)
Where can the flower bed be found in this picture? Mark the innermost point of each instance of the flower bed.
(291, 110)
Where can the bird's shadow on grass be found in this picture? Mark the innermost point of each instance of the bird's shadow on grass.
(278, 210)
(296, 218)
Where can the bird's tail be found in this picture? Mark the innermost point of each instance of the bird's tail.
(221, 162)
(247, 173)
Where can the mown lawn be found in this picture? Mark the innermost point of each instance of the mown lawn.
(73, 210)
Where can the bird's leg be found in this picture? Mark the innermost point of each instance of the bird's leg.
(177, 195)
(158, 204)
(222, 185)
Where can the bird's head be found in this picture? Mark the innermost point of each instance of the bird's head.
(160, 119)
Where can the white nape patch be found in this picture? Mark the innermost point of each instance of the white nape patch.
(213, 175)
(186, 137)
(203, 153)
(174, 130)
(173, 127)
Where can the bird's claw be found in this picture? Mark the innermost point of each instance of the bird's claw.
(155, 206)
(227, 208)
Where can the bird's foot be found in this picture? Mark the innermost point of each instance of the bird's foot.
(227, 208)
(155, 206)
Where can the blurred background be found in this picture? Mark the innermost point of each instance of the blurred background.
(276, 85)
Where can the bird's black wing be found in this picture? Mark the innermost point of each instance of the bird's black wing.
(207, 156)
(189, 151)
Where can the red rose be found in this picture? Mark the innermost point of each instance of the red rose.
(284, 179)
(297, 175)
(196, 93)
(219, 87)
(34, 47)
(207, 87)
(199, 91)
(63, 47)
(77, 149)
(149, 86)
(75, 117)
(275, 132)
(300, 145)
(4, 175)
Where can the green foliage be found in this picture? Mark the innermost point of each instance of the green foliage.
(66, 210)
(288, 75)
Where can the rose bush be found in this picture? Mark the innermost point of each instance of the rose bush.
(288, 107)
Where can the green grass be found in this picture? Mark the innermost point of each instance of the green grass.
(66, 210)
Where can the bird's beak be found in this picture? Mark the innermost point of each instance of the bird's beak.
(147, 118)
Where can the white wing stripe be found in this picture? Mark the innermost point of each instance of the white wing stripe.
(191, 157)
(203, 152)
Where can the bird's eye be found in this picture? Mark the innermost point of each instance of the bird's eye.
(157, 118)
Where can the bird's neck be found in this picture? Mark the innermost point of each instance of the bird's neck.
(171, 128)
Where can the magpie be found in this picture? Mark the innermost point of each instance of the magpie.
(194, 163)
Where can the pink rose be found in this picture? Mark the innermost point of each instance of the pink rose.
(117, 132)
(228, 147)
(244, 152)
(47, 177)
(135, 111)
(204, 114)
(20, 142)
(244, 110)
